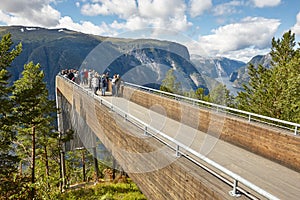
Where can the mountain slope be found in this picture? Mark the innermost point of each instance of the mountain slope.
(242, 76)
(143, 61)
(53, 49)
(217, 70)
(216, 67)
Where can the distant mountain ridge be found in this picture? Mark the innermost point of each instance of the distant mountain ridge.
(216, 67)
(58, 49)
(141, 61)
(217, 70)
(53, 49)
(242, 76)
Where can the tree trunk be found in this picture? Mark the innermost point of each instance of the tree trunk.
(96, 163)
(62, 171)
(114, 168)
(83, 165)
(33, 160)
(20, 169)
(47, 165)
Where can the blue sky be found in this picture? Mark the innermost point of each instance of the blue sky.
(237, 29)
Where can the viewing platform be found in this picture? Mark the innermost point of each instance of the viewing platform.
(176, 149)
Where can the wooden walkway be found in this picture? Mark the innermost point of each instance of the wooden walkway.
(272, 177)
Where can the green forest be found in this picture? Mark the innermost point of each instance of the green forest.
(30, 145)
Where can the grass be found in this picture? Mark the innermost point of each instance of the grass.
(105, 191)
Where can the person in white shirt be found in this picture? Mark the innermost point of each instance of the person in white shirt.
(113, 84)
(95, 83)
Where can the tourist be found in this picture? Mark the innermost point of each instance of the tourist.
(113, 84)
(118, 83)
(104, 84)
(95, 83)
(90, 76)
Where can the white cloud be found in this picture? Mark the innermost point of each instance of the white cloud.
(134, 15)
(34, 13)
(266, 3)
(197, 7)
(133, 23)
(227, 8)
(179, 23)
(251, 33)
(296, 27)
(161, 9)
(121, 8)
(164, 14)
(94, 9)
(246, 54)
(85, 27)
(137, 23)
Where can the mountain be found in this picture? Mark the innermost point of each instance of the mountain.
(216, 70)
(140, 61)
(53, 49)
(241, 75)
(215, 67)
(146, 62)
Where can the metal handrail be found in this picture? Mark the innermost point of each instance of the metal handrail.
(250, 115)
(179, 146)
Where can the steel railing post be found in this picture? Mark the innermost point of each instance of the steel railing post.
(177, 151)
(234, 192)
(146, 130)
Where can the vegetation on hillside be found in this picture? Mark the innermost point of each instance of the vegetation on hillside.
(219, 95)
(8, 160)
(30, 146)
(273, 92)
(104, 191)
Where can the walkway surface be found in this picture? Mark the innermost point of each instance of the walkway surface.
(270, 176)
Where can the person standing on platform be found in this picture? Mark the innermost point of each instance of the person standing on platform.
(104, 84)
(118, 83)
(90, 76)
(113, 84)
(95, 83)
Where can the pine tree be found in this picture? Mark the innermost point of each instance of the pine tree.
(48, 157)
(47, 170)
(221, 95)
(275, 92)
(282, 51)
(254, 96)
(33, 110)
(290, 85)
(8, 161)
(169, 84)
(286, 62)
(200, 94)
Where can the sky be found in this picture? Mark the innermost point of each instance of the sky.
(236, 29)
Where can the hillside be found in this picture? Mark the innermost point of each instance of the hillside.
(216, 67)
(53, 49)
(141, 61)
(216, 70)
(241, 75)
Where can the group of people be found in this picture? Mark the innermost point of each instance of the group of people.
(94, 80)
(71, 74)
